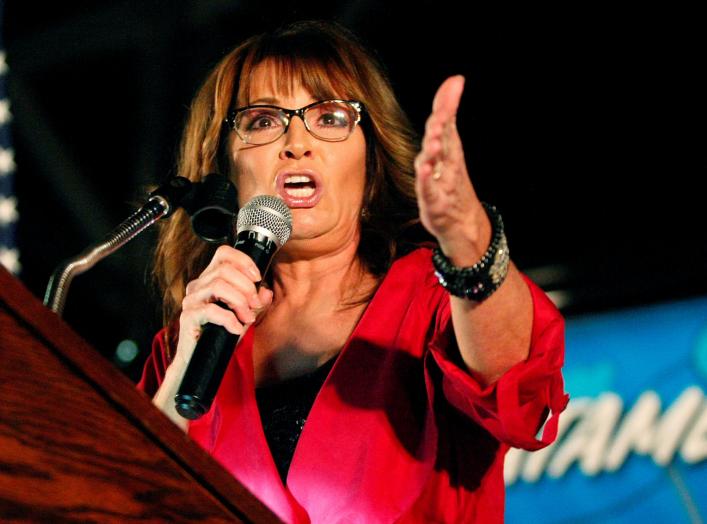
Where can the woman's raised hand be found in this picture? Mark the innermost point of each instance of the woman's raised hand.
(449, 207)
(230, 278)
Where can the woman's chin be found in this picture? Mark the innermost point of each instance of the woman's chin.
(305, 224)
(304, 234)
(312, 239)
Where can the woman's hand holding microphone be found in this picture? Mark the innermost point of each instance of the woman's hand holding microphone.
(230, 279)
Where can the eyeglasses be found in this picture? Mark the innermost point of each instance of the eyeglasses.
(329, 120)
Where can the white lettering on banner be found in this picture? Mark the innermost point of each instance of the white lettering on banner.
(674, 424)
(593, 433)
(694, 449)
(589, 438)
(532, 465)
(635, 432)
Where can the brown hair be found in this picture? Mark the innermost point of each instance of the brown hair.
(329, 62)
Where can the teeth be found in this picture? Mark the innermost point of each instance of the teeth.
(300, 192)
(295, 179)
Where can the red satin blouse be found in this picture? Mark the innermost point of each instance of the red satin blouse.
(399, 432)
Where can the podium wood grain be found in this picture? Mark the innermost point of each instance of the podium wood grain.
(78, 442)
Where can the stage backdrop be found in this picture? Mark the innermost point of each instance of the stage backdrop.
(633, 440)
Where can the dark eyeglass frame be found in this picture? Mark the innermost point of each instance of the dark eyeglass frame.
(357, 106)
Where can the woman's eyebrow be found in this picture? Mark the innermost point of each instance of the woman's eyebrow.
(265, 100)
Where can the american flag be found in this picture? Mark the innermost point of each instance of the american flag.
(9, 255)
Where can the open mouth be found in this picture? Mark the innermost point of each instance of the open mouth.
(299, 189)
(299, 186)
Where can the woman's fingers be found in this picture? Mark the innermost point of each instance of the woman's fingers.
(229, 280)
(221, 291)
(193, 319)
(224, 283)
(446, 100)
(233, 257)
(441, 141)
(265, 296)
(445, 194)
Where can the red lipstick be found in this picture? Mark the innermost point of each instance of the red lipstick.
(300, 188)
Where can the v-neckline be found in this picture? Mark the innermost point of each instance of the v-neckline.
(337, 359)
(349, 412)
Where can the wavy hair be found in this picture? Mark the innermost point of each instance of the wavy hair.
(329, 62)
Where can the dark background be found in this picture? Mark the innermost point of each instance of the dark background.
(584, 125)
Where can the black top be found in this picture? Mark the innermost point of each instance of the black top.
(284, 408)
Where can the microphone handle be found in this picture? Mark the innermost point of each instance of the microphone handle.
(215, 346)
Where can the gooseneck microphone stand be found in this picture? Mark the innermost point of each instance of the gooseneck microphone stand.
(162, 203)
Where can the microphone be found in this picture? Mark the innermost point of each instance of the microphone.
(212, 208)
(162, 203)
(264, 224)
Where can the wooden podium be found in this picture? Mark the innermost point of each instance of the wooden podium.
(78, 442)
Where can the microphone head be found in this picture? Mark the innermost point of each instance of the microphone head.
(266, 213)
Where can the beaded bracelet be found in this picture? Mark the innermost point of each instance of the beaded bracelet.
(479, 281)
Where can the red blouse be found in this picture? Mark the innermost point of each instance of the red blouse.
(399, 432)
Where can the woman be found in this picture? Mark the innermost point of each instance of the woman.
(420, 390)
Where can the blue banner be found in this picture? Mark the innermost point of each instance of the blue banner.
(633, 440)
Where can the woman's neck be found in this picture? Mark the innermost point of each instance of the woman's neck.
(332, 279)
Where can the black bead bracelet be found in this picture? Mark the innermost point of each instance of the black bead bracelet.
(479, 281)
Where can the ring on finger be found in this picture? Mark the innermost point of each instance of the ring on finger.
(437, 170)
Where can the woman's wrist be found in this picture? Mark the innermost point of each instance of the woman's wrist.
(481, 278)
(467, 243)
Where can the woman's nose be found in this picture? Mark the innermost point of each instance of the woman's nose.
(298, 141)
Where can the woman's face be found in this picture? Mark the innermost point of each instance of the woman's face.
(322, 182)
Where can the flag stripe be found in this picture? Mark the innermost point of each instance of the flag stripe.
(9, 254)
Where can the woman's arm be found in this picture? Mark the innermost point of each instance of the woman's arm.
(492, 335)
(164, 398)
